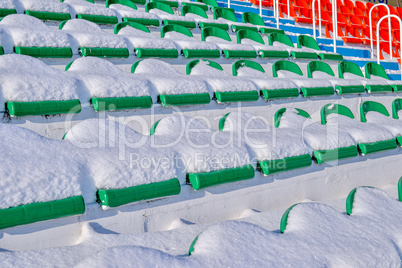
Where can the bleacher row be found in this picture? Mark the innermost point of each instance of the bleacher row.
(350, 200)
(29, 36)
(295, 143)
(353, 20)
(31, 87)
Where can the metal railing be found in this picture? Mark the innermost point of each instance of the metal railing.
(319, 17)
(378, 36)
(371, 30)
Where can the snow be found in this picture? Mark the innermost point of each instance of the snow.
(186, 42)
(263, 81)
(88, 34)
(264, 142)
(104, 80)
(166, 16)
(45, 5)
(128, 12)
(220, 81)
(317, 235)
(387, 122)
(85, 7)
(314, 135)
(200, 148)
(28, 79)
(336, 81)
(29, 31)
(361, 132)
(365, 81)
(35, 169)
(118, 157)
(7, 4)
(168, 80)
(139, 39)
(300, 81)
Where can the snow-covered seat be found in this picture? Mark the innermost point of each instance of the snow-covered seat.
(270, 88)
(396, 107)
(90, 40)
(376, 71)
(30, 36)
(325, 142)
(173, 87)
(310, 42)
(48, 185)
(369, 137)
(208, 157)
(226, 88)
(109, 87)
(229, 49)
(7, 7)
(119, 177)
(255, 19)
(308, 87)
(282, 40)
(274, 149)
(375, 112)
(46, 9)
(143, 43)
(321, 70)
(129, 13)
(212, 4)
(201, 17)
(350, 70)
(166, 14)
(171, 3)
(189, 46)
(31, 87)
(254, 39)
(88, 10)
(227, 15)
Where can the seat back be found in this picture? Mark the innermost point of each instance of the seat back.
(333, 108)
(158, 5)
(286, 66)
(307, 41)
(249, 34)
(372, 68)
(226, 13)
(371, 106)
(253, 18)
(349, 67)
(281, 38)
(175, 28)
(127, 3)
(193, 10)
(278, 115)
(192, 64)
(135, 25)
(214, 31)
(246, 63)
(319, 66)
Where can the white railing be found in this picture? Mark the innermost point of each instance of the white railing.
(228, 3)
(276, 12)
(261, 8)
(378, 37)
(334, 22)
(319, 17)
(371, 30)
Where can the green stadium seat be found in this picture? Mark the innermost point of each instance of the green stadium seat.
(270, 88)
(90, 10)
(376, 71)
(226, 88)
(165, 12)
(342, 86)
(190, 47)
(310, 42)
(144, 43)
(203, 22)
(255, 19)
(296, 53)
(224, 42)
(171, 3)
(304, 84)
(350, 70)
(228, 15)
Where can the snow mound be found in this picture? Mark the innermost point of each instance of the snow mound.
(28, 31)
(201, 148)
(168, 80)
(394, 126)
(140, 39)
(263, 81)
(104, 80)
(263, 141)
(45, 5)
(88, 34)
(36, 169)
(85, 7)
(28, 79)
(118, 157)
